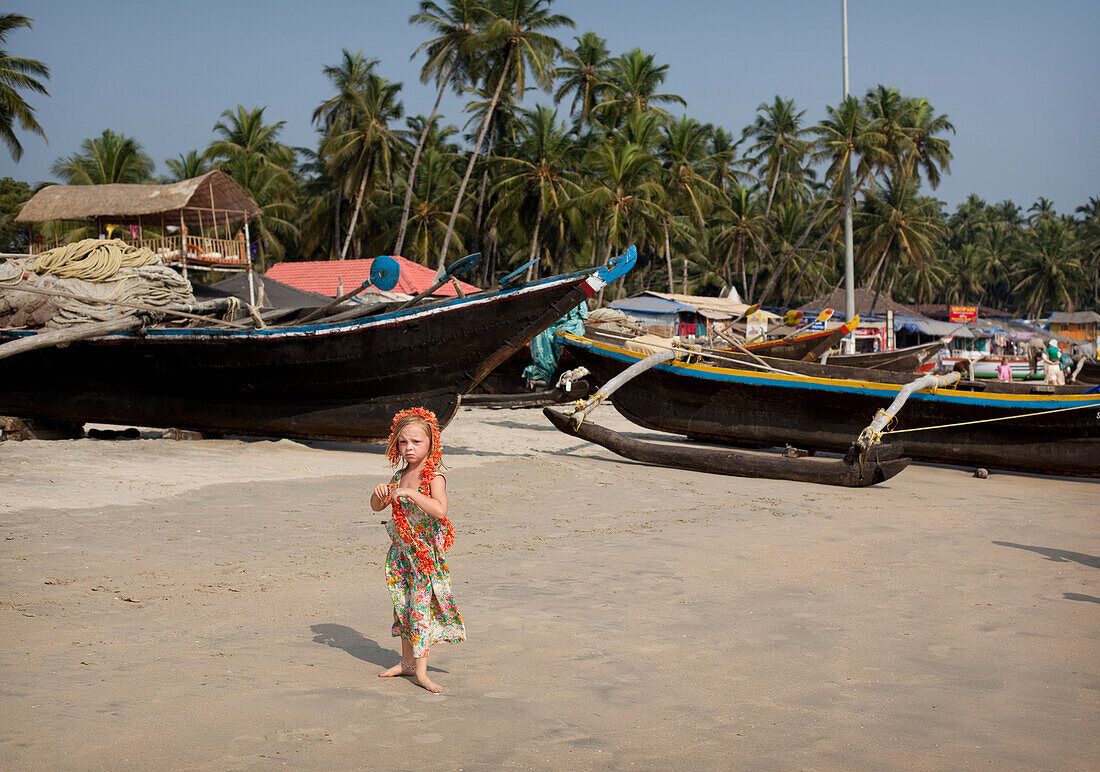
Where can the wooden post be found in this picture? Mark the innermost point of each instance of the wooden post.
(248, 253)
(213, 214)
(183, 244)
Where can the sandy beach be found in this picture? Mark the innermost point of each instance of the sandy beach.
(220, 605)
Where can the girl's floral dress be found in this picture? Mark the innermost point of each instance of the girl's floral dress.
(424, 609)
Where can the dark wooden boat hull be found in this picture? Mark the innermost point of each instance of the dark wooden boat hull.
(522, 399)
(736, 463)
(902, 360)
(337, 382)
(807, 347)
(826, 409)
(1090, 372)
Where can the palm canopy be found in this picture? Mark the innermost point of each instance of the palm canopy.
(584, 73)
(778, 145)
(633, 82)
(109, 158)
(453, 47)
(16, 74)
(349, 77)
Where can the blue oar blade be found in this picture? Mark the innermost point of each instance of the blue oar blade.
(463, 265)
(384, 273)
(515, 276)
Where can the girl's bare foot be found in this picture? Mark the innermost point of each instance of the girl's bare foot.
(427, 683)
(399, 669)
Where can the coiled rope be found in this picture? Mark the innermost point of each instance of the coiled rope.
(93, 259)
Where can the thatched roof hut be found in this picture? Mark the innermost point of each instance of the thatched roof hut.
(213, 198)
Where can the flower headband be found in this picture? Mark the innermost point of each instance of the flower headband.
(427, 416)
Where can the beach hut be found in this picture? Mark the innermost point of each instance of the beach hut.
(197, 223)
(668, 314)
(1082, 326)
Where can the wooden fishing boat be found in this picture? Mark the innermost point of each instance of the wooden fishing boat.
(806, 347)
(910, 359)
(1089, 372)
(731, 399)
(332, 380)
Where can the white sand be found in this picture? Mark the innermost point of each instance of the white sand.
(220, 605)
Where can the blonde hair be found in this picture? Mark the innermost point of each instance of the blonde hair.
(402, 423)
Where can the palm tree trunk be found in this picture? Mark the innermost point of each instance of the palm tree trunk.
(559, 264)
(358, 205)
(473, 157)
(484, 187)
(668, 260)
(416, 161)
(809, 261)
(533, 268)
(774, 278)
(881, 260)
(771, 191)
(336, 221)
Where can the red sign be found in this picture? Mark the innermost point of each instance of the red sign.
(963, 314)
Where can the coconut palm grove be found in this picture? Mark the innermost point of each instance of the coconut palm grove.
(569, 152)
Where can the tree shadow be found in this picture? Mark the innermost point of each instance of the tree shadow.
(358, 645)
(1080, 596)
(1056, 555)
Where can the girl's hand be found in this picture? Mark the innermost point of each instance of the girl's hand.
(382, 492)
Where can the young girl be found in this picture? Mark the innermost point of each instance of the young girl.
(424, 610)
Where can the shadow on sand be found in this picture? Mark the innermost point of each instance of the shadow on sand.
(358, 645)
(1056, 555)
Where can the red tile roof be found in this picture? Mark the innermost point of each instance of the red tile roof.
(326, 276)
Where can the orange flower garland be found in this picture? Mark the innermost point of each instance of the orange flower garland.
(424, 560)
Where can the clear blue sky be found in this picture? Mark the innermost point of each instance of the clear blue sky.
(1018, 79)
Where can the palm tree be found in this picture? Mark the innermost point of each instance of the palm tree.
(898, 223)
(778, 145)
(109, 158)
(363, 140)
(622, 191)
(185, 167)
(928, 152)
(744, 228)
(1048, 268)
(515, 31)
(433, 191)
(584, 72)
(540, 171)
(248, 149)
(968, 276)
(450, 57)
(887, 110)
(844, 136)
(17, 73)
(1042, 209)
(723, 162)
(272, 188)
(349, 77)
(634, 79)
(244, 133)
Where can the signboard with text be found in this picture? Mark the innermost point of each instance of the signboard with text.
(963, 313)
(756, 325)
